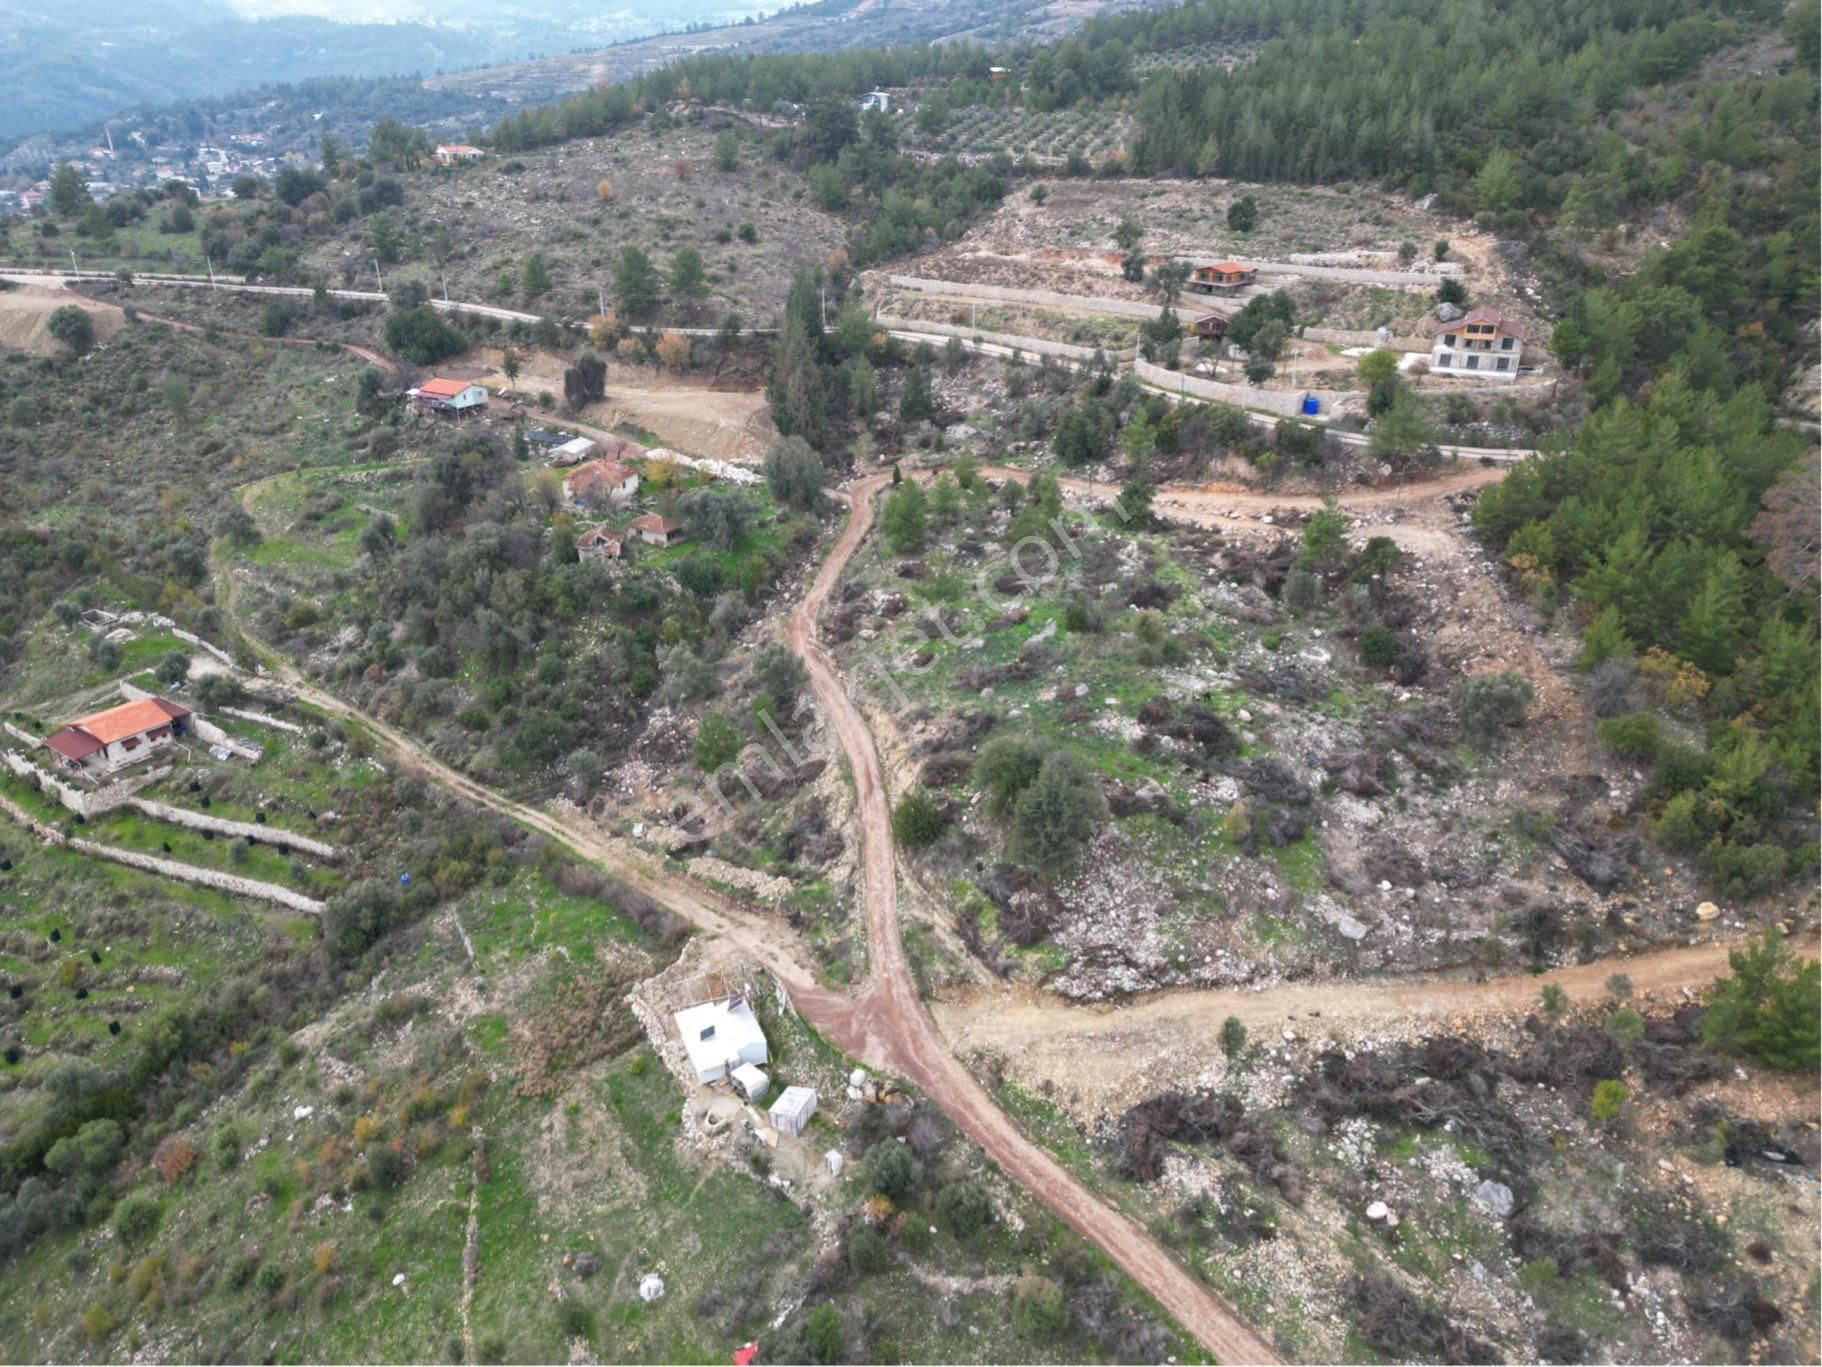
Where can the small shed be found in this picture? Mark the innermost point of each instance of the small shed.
(793, 1109)
(834, 1161)
(572, 452)
(751, 1082)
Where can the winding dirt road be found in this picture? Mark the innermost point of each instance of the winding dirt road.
(891, 1022)
(887, 1024)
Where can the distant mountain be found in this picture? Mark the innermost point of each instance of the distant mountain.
(817, 27)
(64, 65)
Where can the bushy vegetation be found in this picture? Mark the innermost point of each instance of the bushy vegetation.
(1652, 521)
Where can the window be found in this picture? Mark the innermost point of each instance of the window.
(1448, 339)
(1501, 363)
(1473, 363)
(1505, 344)
(708, 1032)
(1442, 361)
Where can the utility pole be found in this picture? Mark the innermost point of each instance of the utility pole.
(211, 261)
(74, 268)
(376, 272)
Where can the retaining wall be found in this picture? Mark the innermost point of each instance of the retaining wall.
(264, 720)
(1006, 294)
(266, 835)
(169, 868)
(86, 801)
(1342, 337)
(1036, 346)
(1286, 403)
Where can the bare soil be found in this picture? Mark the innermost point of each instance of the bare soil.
(25, 312)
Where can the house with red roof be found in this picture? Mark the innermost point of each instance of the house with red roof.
(595, 482)
(1483, 343)
(123, 735)
(657, 530)
(449, 398)
(452, 153)
(1223, 277)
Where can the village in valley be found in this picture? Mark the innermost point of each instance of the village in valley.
(922, 704)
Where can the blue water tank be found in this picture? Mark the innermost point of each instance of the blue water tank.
(1311, 405)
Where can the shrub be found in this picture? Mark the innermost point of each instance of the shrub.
(1769, 1008)
(1553, 1002)
(1634, 735)
(1488, 703)
(1610, 1098)
(1301, 590)
(1039, 1311)
(1006, 767)
(867, 1251)
(718, 742)
(573, 1320)
(965, 1208)
(1611, 687)
(175, 1156)
(136, 1219)
(825, 1334)
(385, 1168)
(1233, 1037)
(890, 1170)
(1056, 815)
(1745, 871)
(1377, 646)
(97, 1321)
(918, 820)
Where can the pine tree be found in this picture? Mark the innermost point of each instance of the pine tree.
(904, 520)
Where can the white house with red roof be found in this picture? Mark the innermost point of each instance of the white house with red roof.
(123, 735)
(1482, 343)
(451, 398)
(451, 153)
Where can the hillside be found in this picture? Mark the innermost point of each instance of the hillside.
(1212, 624)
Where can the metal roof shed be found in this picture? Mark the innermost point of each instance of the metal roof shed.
(793, 1109)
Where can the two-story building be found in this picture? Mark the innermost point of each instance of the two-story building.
(1223, 277)
(1482, 343)
(449, 398)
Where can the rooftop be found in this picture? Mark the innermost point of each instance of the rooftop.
(129, 719)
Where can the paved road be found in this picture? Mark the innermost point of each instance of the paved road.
(66, 279)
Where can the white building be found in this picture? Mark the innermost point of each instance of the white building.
(572, 452)
(719, 1036)
(792, 1111)
(1481, 343)
(751, 1082)
(877, 99)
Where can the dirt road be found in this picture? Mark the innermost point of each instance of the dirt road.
(892, 1023)
(1161, 1034)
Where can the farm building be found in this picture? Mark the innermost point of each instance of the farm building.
(657, 530)
(792, 1111)
(1481, 342)
(598, 543)
(595, 482)
(544, 439)
(719, 1036)
(449, 398)
(123, 735)
(572, 452)
(453, 153)
(1224, 277)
